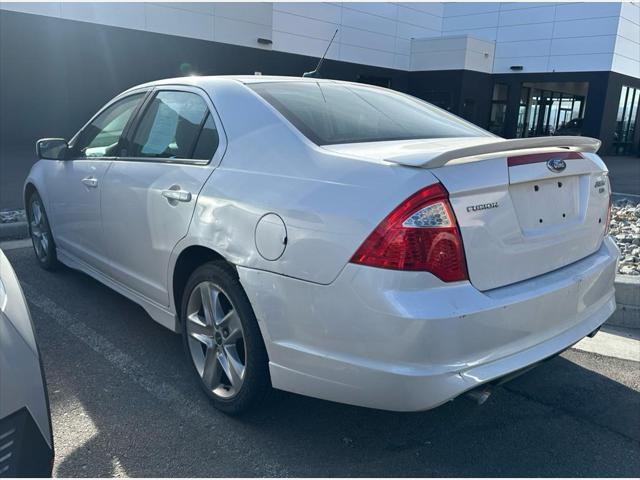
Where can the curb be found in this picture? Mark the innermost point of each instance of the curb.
(13, 230)
(628, 299)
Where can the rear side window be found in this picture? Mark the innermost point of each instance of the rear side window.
(331, 113)
(208, 141)
(176, 125)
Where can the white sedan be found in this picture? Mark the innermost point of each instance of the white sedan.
(332, 239)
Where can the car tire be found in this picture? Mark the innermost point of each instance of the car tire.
(40, 233)
(232, 368)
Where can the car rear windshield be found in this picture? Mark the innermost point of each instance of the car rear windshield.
(332, 113)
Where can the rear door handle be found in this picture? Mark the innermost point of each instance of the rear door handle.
(176, 196)
(91, 181)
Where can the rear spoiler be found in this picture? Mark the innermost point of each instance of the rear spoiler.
(440, 157)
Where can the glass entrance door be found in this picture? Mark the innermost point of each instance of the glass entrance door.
(547, 112)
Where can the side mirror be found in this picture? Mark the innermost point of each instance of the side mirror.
(52, 148)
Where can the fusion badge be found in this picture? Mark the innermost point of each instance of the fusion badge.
(482, 206)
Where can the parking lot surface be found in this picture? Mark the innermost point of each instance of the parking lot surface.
(124, 403)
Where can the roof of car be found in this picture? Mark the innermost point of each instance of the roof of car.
(210, 81)
(207, 80)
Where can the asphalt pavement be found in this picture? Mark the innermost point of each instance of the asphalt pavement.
(124, 404)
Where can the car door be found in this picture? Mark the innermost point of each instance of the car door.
(149, 196)
(75, 184)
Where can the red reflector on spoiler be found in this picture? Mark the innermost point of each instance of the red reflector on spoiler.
(541, 157)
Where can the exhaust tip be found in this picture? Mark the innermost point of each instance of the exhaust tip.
(593, 334)
(479, 395)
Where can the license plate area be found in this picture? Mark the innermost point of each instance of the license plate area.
(546, 204)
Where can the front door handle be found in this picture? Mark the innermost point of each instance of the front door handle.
(175, 196)
(91, 181)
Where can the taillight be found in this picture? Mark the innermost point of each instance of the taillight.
(421, 234)
(606, 225)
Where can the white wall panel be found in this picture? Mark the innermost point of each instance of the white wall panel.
(480, 20)
(439, 44)
(416, 17)
(583, 45)
(386, 10)
(198, 7)
(37, 8)
(286, 22)
(127, 15)
(406, 30)
(350, 53)
(578, 63)
(505, 6)
(586, 27)
(365, 39)
(287, 42)
(237, 32)
(469, 8)
(525, 48)
(527, 15)
(628, 48)
(540, 36)
(403, 46)
(478, 61)
(173, 21)
(489, 34)
(629, 30)
(318, 11)
(434, 8)
(529, 64)
(402, 62)
(626, 66)
(450, 60)
(260, 13)
(630, 11)
(577, 11)
(366, 21)
(516, 33)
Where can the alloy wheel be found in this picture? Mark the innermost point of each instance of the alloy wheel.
(39, 230)
(216, 340)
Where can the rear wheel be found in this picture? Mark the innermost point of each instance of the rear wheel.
(222, 339)
(40, 233)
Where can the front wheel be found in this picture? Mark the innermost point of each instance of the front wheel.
(40, 233)
(222, 339)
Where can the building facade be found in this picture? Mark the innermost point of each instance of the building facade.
(517, 69)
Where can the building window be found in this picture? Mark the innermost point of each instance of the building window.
(523, 110)
(626, 120)
(498, 108)
(546, 112)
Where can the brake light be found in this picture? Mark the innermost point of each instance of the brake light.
(420, 234)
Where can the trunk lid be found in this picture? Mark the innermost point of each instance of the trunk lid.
(519, 218)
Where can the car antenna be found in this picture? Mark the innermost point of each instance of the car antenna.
(316, 73)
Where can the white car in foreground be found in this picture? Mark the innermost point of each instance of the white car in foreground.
(26, 438)
(332, 239)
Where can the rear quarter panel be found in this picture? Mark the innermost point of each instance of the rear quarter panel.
(328, 202)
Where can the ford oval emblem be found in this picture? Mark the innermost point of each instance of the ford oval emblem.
(556, 165)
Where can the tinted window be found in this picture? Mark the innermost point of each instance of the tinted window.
(330, 113)
(170, 126)
(208, 141)
(100, 138)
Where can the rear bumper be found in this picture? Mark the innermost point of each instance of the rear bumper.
(405, 341)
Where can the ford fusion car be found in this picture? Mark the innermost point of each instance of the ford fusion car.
(26, 441)
(331, 239)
